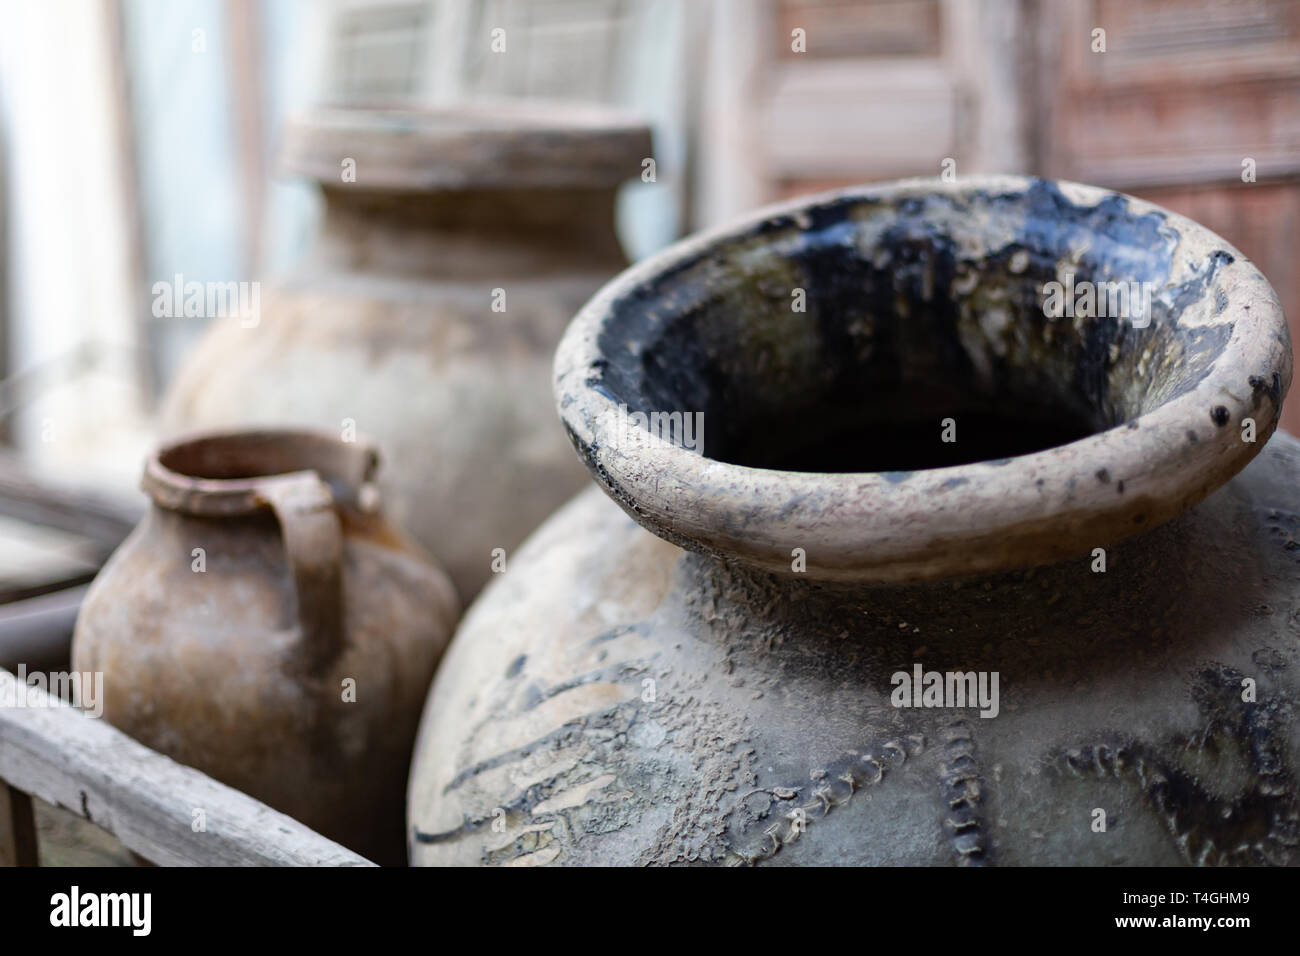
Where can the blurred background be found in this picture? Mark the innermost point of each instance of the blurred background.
(138, 140)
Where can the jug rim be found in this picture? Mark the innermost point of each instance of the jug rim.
(243, 465)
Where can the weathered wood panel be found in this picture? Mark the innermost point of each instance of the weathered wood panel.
(148, 801)
(1185, 92)
(854, 28)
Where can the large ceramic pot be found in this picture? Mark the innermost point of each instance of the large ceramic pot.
(735, 667)
(265, 624)
(456, 246)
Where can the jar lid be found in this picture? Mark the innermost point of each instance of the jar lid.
(487, 144)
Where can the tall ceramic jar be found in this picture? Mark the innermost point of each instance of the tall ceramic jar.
(960, 573)
(456, 245)
(267, 625)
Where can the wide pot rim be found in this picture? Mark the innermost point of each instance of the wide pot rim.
(942, 522)
(484, 143)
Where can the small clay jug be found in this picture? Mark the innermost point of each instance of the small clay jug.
(266, 625)
(950, 576)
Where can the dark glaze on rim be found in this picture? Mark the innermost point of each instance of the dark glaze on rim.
(910, 286)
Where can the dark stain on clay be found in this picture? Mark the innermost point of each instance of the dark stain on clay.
(1260, 824)
(1266, 387)
(617, 632)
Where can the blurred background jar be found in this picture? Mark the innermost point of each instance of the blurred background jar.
(456, 246)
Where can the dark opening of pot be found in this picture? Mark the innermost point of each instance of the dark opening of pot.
(240, 456)
(963, 434)
(924, 331)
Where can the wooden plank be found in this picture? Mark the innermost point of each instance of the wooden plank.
(732, 174)
(983, 49)
(148, 801)
(863, 119)
(17, 828)
(1183, 92)
(848, 29)
(131, 202)
(1159, 43)
(245, 26)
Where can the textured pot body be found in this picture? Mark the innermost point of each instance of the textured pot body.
(616, 699)
(428, 314)
(215, 652)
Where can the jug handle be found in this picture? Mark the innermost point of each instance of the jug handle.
(313, 547)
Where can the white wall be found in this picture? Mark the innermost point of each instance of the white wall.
(70, 293)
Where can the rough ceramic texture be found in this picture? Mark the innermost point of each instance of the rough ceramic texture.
(389, 323)
(613, 699)
(232, 671)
